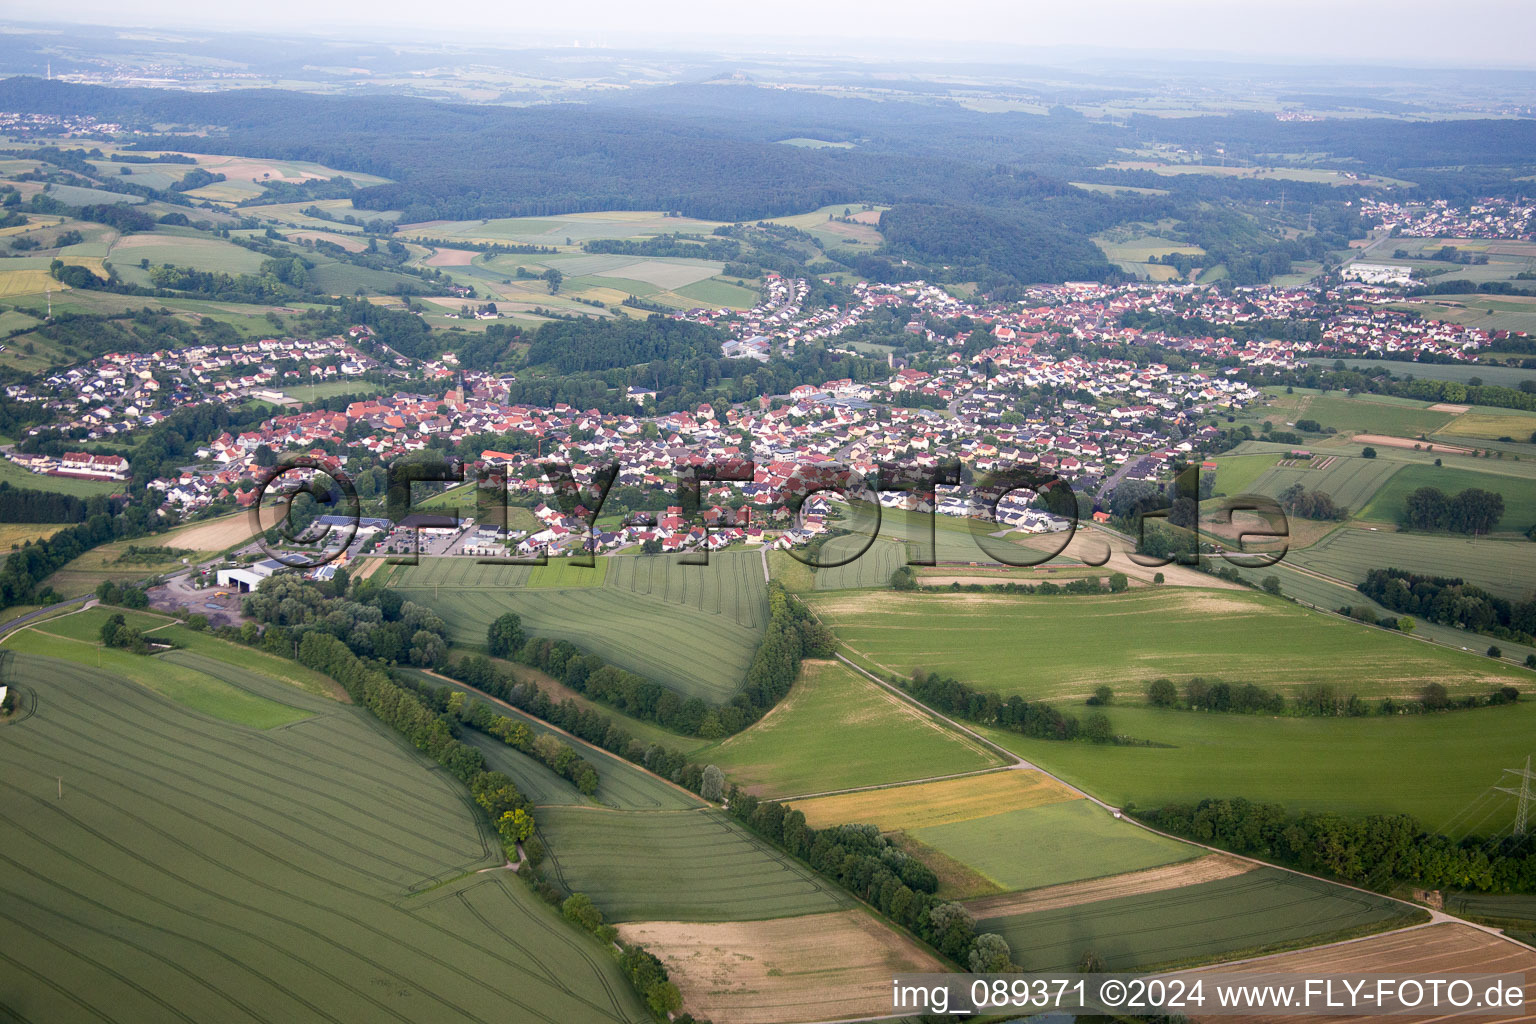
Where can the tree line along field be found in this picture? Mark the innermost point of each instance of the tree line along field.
(196, 869)
(837, 730)
(693, 628)
(1062, 647)
(1506, 568)
(695, 865)
(1245, 914)
(621, 785)
(1438, 767)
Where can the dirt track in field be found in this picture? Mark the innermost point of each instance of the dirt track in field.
(1132, 883)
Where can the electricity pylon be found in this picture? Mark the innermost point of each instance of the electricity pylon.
(1524, 793)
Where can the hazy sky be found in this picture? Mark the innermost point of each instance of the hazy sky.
(1466, 33)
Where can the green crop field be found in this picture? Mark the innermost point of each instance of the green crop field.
(837, 730)
(717, 292)
(1348, 480)
(1519, 493)
(1059, 842)
(1371, 414)
(693, 628)
(1504, 907)
(1506, 568)
(1445, 777)
(1057, 647)
(620, 784)
(202, 684)
(1236, 474)
(1260, 910)
(678, 866)
(199, 870)
(201, 253)
(904, 535)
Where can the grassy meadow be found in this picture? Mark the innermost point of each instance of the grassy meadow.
(1066, 841)
(1062, 647)
(1439, 767)
(837, 730)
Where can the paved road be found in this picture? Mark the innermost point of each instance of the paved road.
(22, 620)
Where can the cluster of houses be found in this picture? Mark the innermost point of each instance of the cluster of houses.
(76, 464)
(124, 391)
(980, 385)
(1485, 218)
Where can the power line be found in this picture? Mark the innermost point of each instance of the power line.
(1522, 810)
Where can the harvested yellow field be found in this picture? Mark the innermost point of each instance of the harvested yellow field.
(1169, 876)
(765, 972)
(365, 567)
(451, 258)
(27, 282)
(1431, 951)
(903, 808)
(16, 534)
(218, 534)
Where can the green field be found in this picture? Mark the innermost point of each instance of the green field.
(717, 292)
(326, 389)
(1261, 910)
(86, 625)
(201, 871)
(1371, 414)
(1505, 907)
(199, 252)
(837, 730)
(1236, 474)
(1519, 493)
(1445, 779)
(17, 477)
(678, 866)
(1506, 568)
(205, 685)
(1059, 842)
(693, 628)
(1059, 647)
(1348, 480)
